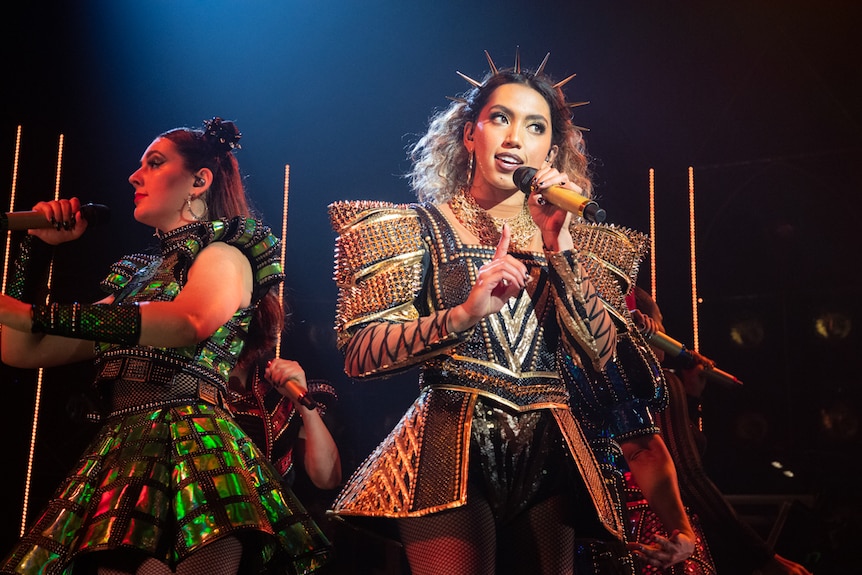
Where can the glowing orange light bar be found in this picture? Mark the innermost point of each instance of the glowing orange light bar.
(652, 233)
(11, 206)
(696, 345)
(283, 247)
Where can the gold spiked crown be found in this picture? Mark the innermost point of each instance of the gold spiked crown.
(517, 70)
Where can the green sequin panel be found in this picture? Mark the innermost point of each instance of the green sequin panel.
(243, 513)
(263, 245)
(220, 336)
(204, 425)
(172, 290)
(142, 534)
(39, 560)
(207, 358)
(212, 442)
(117, 279)
(100, 531)
(272, 503)
(267, 271)
(186, 447)
(188, 499)
(78, 492)
(200, 529)
(229, 484)
(193, 244)
(65, 524)
(182, 429)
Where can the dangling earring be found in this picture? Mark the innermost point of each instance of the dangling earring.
(195, 216)
(470, 168)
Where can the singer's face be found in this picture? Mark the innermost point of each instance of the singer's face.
(162, 184)
(512, 130)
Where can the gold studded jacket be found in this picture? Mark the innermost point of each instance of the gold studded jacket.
(397, 264)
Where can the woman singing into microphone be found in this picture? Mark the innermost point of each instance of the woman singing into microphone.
(481, 285)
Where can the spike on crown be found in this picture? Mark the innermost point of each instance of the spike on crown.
(517, 68)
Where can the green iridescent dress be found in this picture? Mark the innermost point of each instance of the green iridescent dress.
(170, 470)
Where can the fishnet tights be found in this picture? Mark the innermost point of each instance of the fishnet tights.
(467, 541)
(219, 558)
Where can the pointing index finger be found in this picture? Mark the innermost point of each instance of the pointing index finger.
(503, 244)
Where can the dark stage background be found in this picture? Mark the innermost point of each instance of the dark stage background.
(763, 98)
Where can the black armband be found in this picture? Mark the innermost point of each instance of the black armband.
(119, 323)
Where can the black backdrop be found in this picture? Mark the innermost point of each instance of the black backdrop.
(761, 98)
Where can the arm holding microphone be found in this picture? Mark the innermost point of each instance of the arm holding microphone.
(320, 456)
(688, 359)
(56, 222)
(288, 378)
(679, 354)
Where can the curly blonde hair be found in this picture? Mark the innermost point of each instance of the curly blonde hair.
(439, 158)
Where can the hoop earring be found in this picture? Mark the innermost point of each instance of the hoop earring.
(470, 167)
(195, 216)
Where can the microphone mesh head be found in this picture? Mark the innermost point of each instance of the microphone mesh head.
(523, 177)
(95, 214)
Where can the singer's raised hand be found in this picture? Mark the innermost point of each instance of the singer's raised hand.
(498, 280)
(552, 221)
(65, 216)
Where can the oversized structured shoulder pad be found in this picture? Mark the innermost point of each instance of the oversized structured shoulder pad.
(250, 236)
(611, 256)
(256, 241)
(633, 382)
(378, 263)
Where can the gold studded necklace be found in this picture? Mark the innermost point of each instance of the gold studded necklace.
(487, 227)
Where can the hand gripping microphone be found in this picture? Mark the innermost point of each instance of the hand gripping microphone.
(95, 214)
(302, 395)
(560, 197)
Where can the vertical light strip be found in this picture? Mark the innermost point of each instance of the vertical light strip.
(695, 327)
(37, 403)
(11, 207)
(652, 233)
(59, 168)
(12, 195)
(56, 197)
(283, 247)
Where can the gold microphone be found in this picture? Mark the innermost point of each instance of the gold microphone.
(679, 352)
(561, 197)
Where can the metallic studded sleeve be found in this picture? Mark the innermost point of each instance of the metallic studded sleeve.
(380, 257)
(585, 323)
